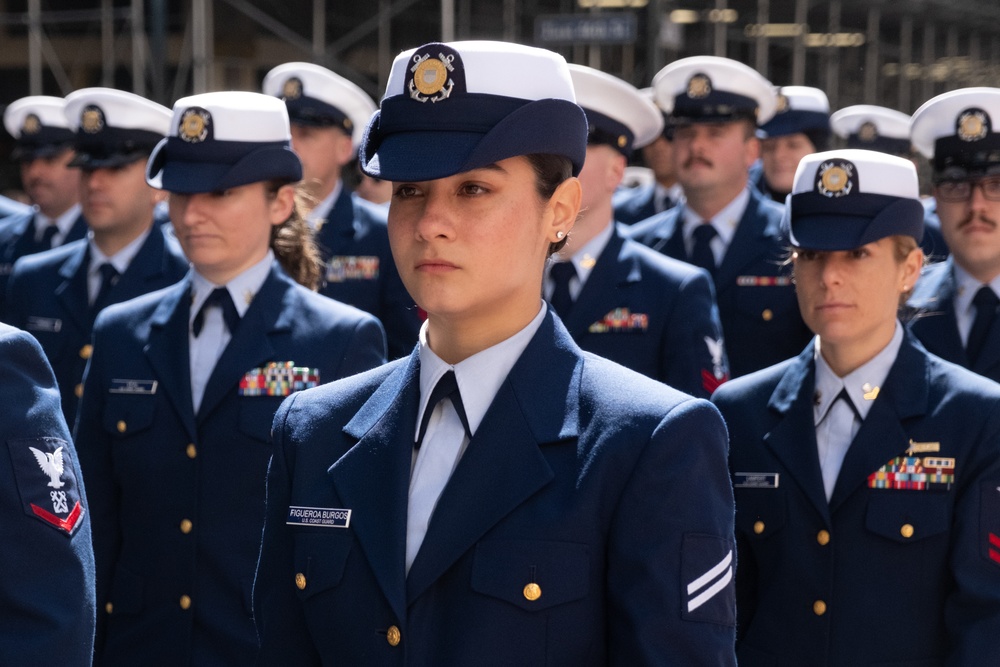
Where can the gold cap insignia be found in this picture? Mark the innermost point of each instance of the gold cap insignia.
(835, 178)
(348, 124)
(973, 125)
(92, 120)
(32, 125)
(868, 132)
(622, 140)
(431, 77)
(194, 125)
(782, 103)
(292, 90)
(699, 86)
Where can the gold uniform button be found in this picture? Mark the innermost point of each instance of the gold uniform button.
(78, 390)
(109, 607)
(191, 451)
(300, 581)
(767, 315)
(186, 526)
(823, 537)
(819, 607)
(532, 592)
(392, 636)
(758, 527)
(906, 530)
(185, 602)
(86, 351)
(122, 426)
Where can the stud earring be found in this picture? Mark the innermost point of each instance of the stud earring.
(560, 234)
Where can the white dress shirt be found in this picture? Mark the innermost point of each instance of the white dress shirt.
(725, 222)
(837, 423)
(479, 379)
(207, 347)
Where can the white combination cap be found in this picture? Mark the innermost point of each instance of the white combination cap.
(618, 114)
(707, 89)
(316, 96)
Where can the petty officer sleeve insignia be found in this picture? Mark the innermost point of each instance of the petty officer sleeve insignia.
(708, 592)
(47, 482)
(990, 520)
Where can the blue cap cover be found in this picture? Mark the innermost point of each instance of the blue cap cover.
(799, 109)
(224, 140)
(844, 199)
(450, 108)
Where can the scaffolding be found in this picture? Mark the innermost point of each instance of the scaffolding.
(858, 51)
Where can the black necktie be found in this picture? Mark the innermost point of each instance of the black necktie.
(845, 397)
(46, 243)
(109, 278)
(701, 253)
(986, 303)
(447, 387)
(220, 298)
(561, 273)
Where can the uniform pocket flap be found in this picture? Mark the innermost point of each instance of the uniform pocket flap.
(126, 414)
(760, 511)
(531, 574)
(320, 559)
(908, 516)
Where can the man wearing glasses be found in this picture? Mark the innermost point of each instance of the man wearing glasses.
(956, 301)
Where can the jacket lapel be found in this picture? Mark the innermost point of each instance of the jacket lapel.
(754, 239)
(338, 225)
(602, 291)
(168, 336)
(251, 344)
(72, 291)
(373, 477)
(503, 465)
(934, 317)
(881, 437)
(793, 438)
(77, 231)
(145, 268)
(669, 236)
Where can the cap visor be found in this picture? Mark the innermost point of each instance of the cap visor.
(423, 156)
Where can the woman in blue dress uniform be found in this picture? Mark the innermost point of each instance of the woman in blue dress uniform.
(500, 497)
(866, 470)
(183, 382)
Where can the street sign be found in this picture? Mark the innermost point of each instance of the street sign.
(616, 28)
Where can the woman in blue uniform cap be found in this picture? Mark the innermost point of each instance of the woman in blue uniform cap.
(499, 497)
(183, 382)
(866, 470)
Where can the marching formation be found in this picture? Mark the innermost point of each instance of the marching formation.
(698, 374)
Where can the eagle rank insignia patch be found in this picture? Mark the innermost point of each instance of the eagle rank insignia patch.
(47, 482)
